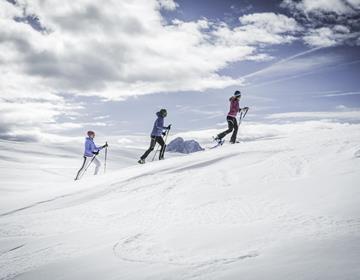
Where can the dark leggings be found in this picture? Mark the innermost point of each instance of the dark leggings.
(154, 140)
(233, 125)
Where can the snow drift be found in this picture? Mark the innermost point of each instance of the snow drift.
(283, 204)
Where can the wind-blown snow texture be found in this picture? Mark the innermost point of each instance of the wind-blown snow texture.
(178, 145)
(283, 204)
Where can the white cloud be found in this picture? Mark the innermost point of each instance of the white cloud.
(29, 118)
(168, 4)
(271, 22)
(328, 22)
(342, 107)
(205, 110)
(259, 29)
(117, 50)
(303, 63)
(324, 6)
(338, 94)
(327, 37)
(353, 115)
(355, 4)
(321, 37)
(124, 48)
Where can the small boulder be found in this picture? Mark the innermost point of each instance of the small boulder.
(178, 145)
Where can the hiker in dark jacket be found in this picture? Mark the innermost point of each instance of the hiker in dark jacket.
(157, 136)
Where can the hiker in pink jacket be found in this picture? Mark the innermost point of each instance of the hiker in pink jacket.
(231, 118)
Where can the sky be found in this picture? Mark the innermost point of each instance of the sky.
(70, 66)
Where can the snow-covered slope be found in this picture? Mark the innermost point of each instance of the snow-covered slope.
(283, 204)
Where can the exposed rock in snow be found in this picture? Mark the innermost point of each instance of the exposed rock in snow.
(178, 145)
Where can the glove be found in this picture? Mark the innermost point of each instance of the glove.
(106, 145)
(164, 133)
(96, 153)
(168, 127)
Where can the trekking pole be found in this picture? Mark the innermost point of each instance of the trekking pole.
(159, 147)
(166, 136)
(156, 151)
(105, 157)
(165, 140)
(243, 114)
(87, 167)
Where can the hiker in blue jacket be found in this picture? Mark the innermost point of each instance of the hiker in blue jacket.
(156, 136)
(90, 153)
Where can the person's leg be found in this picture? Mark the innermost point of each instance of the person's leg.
(97, 166)
(234, 135)
(81, 169)
(230, 128)
(161, 142)
(151, 148)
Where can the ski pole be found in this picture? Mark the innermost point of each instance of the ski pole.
(106, 148)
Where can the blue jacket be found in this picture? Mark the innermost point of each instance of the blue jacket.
(159, 127)
(90, 147)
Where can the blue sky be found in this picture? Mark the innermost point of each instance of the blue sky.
(109, 67)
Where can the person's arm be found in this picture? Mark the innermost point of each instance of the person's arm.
(165, 127)
(94, 148)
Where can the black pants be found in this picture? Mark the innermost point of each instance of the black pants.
(233, 126)
(154, 140)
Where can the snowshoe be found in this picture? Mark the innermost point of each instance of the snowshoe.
(219, 142)
(141, 161)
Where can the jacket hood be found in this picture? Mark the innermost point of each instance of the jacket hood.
(159, 115)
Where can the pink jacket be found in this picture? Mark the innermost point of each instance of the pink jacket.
(234, 107)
